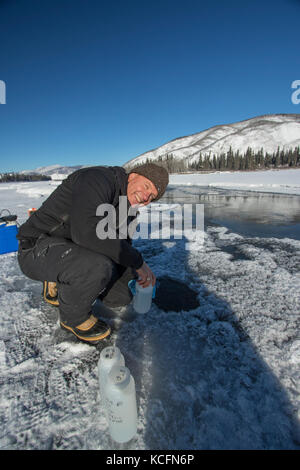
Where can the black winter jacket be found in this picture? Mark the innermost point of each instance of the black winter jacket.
(70, 212)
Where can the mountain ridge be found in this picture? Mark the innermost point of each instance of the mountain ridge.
(267, 131)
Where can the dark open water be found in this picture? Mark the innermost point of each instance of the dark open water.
(251, 214)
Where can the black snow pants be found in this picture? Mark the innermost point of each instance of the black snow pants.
(81, 276)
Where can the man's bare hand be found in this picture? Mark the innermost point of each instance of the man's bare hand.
(146, 276)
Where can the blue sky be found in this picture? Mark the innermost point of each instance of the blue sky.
(100, 82)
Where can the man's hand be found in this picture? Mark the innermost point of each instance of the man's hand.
(146, 276)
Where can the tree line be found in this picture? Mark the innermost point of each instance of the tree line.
(8, 177)
(233, 161)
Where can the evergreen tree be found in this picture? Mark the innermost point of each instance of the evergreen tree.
(230, 159)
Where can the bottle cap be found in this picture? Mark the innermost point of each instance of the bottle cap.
(109, 354)
(119, 376)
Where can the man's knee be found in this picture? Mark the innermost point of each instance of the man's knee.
(85, 268)
(117, 293)
(101, 266)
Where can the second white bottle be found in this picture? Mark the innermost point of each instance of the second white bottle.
(109, 357)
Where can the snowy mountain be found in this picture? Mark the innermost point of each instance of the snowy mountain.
(268, 132)
(57, 172)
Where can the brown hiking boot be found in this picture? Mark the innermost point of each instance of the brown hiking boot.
(50, 293)
(91, 331)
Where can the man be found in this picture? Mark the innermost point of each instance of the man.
(59, 245)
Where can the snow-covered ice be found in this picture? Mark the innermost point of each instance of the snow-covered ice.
(274, 181)
(224, 375)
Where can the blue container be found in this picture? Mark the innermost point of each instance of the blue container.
(8, 240)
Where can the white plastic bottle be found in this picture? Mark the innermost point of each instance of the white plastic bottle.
(142, 299)
(109, 357)
(120, 402)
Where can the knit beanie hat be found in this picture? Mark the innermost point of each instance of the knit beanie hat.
(158, 175)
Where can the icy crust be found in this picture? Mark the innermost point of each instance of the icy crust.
(285, 181)
(222, 376)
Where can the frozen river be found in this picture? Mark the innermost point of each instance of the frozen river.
(216, 360)
(253, 214)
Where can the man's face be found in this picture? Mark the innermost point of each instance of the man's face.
(140, 190)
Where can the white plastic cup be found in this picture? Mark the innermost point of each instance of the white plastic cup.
(142, 299)
(120, 403)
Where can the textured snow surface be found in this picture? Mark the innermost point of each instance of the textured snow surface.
(222, 376)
